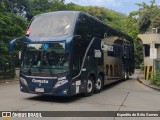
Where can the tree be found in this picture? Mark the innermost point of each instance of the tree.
(145, 15)
(11, 26)
(42, 6)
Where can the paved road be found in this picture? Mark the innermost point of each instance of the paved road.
(127, 95)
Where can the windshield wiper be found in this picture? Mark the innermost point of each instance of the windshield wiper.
(29, 70)
(50, 70)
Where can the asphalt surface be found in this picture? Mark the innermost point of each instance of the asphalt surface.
(129, 95)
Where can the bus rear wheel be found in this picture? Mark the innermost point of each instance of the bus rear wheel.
(90, 87)
(98, 85)
(126, 76)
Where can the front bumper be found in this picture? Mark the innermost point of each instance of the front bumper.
(63, 90)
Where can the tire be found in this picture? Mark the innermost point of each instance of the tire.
(98, 85)
(89, 87)
(126, 76)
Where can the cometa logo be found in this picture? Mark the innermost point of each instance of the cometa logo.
(40, 81)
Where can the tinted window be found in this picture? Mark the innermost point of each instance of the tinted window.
(83, 26)
(89, 27)
(79, 49)
(45, 59)
(147, 50)
(97, 28)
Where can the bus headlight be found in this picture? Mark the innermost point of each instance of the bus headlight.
(23, 81)
(60, 82)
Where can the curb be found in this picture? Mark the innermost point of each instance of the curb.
(151, 86)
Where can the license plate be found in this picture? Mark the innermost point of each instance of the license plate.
(39, 89)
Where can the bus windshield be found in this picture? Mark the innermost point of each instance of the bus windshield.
(44, 59)
(52, 25)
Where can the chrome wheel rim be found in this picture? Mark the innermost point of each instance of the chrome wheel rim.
(89, 86)
(98, 84)
(125, 77)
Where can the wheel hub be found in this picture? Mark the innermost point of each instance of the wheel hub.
(98, 84)
(89, 86)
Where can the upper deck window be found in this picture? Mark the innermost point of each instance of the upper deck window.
(52, 24)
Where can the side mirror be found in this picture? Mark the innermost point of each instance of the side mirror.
(15, 44)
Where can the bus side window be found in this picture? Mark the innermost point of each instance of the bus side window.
(76, 65)
(126, 49)
(107, 69)
(111, 70)
(115, 70)
(79, 49)
(97, 29)
(82, 27)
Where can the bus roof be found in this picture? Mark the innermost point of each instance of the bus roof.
(60, 12)
(115, 31)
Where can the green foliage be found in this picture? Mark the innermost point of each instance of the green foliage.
(110, 17)
(138, 52)
(144, 22)
(155, 20)
(146, 16)
(35, 7)
(156, 79)
(43, 6)
(11, 26)
(131, 28)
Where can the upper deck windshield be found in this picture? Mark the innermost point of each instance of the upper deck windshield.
(47, 59)
(53, 24)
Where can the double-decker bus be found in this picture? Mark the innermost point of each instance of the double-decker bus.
(65, 53)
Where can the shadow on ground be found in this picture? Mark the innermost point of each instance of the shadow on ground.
(72, 98)
(56, 99)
